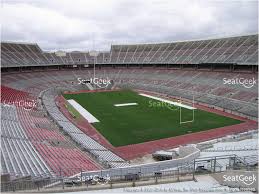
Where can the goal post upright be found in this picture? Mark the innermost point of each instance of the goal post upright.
(94, 54)
(190, 121)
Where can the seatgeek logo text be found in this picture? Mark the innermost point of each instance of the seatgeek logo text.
(247, 83)
(100, 82)
(247, 180)
(27, 104)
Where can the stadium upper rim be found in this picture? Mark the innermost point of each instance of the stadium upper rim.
(216, 37)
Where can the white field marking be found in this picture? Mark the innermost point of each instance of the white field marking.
(126, 104)
(88, 116)
(168, 101)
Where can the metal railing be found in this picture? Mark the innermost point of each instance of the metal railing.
(104, 180)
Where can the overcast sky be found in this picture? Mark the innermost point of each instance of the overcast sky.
(96, 24)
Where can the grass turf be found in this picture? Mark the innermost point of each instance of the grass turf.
(149, 120)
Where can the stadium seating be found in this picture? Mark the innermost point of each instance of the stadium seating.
(236, 50)
(19, 155)
(206, 87)
(30, 150)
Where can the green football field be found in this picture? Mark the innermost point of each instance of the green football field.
(149, 120)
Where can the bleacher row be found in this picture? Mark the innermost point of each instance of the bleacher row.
(12, 129)
(30, 143)
(206, 87)
(203, 86)
(241, 50)
(237, 50)
(248, 109)
(100, 152)
(19, 157)
(38, 81)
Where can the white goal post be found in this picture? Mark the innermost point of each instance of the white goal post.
(180, 112)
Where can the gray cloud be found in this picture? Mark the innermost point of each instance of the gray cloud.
(75, 25)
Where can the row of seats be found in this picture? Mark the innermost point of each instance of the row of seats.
(13, 96)
(19, 157)
(58, 151)
(241, 50)
(207, 87)
(64, 161)
(226, 103)
(34, 126)
(194, 80)
(12, 129)
(24, 134)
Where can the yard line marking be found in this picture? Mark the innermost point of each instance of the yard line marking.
(88, 116)
(126, 104)
(168, 101)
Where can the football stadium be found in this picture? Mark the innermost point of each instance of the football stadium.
(175, 116)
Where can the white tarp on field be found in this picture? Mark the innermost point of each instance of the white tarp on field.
(88, 116)
(126, 104)
(168, 101)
